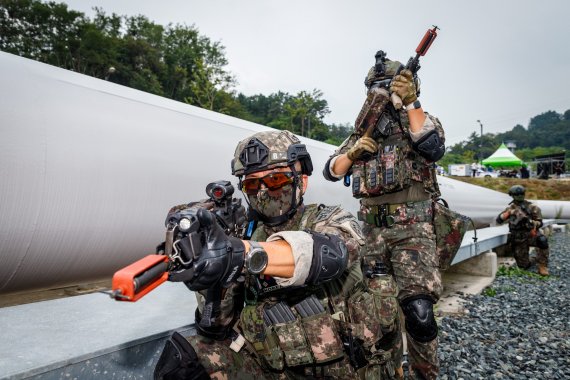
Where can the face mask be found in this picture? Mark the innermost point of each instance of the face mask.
(275, 203)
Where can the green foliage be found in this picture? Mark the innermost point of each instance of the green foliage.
(515, 271)
(547, 133)
(174, 61)
(490, 292)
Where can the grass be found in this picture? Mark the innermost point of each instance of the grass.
(515, 271)
(492, 292)
(551, 189)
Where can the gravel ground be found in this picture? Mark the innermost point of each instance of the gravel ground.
(521, 332)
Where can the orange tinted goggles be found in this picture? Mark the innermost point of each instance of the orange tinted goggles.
(273, 181)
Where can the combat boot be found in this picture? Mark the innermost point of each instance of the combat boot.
(542, 270)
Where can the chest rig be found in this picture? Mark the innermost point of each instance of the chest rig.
(261, 287)
(396, 165)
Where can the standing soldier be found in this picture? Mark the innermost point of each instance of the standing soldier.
(525, 220)
(302, 307)
(391, 157)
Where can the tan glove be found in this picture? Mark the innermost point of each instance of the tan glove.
(403, 85)
(363, 144)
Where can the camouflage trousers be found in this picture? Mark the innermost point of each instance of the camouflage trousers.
(408, 250)
(520, 242)
(223, 363)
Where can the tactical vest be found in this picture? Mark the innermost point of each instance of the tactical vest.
(396, 165)
(314, 338)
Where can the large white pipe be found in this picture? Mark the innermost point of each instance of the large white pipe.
(89, 168)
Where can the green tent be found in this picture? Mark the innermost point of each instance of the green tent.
(502, 157)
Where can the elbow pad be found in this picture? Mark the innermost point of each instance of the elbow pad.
(330, 258)
(430, 146)
(327, 171)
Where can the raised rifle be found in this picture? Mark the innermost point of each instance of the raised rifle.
(413, 64)
(183, 234)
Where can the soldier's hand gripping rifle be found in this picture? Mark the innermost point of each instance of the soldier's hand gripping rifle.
(520, 218)
(196, 249)
(413, 64)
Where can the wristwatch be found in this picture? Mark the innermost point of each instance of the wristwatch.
(414, 106)
(256, 258)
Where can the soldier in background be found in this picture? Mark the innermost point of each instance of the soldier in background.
(391, 157)
(524, 172)
(525, 220)
(302, 308)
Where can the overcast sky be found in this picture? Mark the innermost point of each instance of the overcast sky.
(501, 62)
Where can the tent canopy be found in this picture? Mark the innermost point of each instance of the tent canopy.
(502, 157)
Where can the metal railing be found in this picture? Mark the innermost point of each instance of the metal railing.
(489, 238)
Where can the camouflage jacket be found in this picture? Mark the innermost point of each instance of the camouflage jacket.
(322, 219)
(272, 316)
(522, 217)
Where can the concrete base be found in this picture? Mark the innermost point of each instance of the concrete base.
(467, 277)
(483, 265)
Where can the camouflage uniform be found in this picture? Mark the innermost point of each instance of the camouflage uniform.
(524, 219)
(241, 344)
(397, 187)
(346, 298)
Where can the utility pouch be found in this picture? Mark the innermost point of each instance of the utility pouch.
(359, 179)
(273, 356)
(363, 317)
(289, 333)
(261, 337)
(373, 176)
(321, 332)
(385, 291)
(375, 311)
(450, 227)
(393, 167)
(292, 341)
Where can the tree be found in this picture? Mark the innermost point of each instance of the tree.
(175, 61)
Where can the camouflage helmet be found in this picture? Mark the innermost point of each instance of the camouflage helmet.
(268, 150)
(517, 191)
(382, 69)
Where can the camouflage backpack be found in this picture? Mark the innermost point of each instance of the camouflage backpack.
(450, 227)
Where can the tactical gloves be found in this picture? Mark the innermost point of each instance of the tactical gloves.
(404, 86)
(363, 144)
(220, 260)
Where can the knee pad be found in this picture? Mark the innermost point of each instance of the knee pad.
(420, 321)
(179, 361)
(542, 242)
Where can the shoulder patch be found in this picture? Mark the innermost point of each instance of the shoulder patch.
(325, 213)
(355, 227)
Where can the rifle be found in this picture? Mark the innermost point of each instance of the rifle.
(413, 64)
(520, 218)
(182, 230)
(369, 111)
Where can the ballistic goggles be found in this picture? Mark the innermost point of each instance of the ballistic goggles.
(272, 181)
